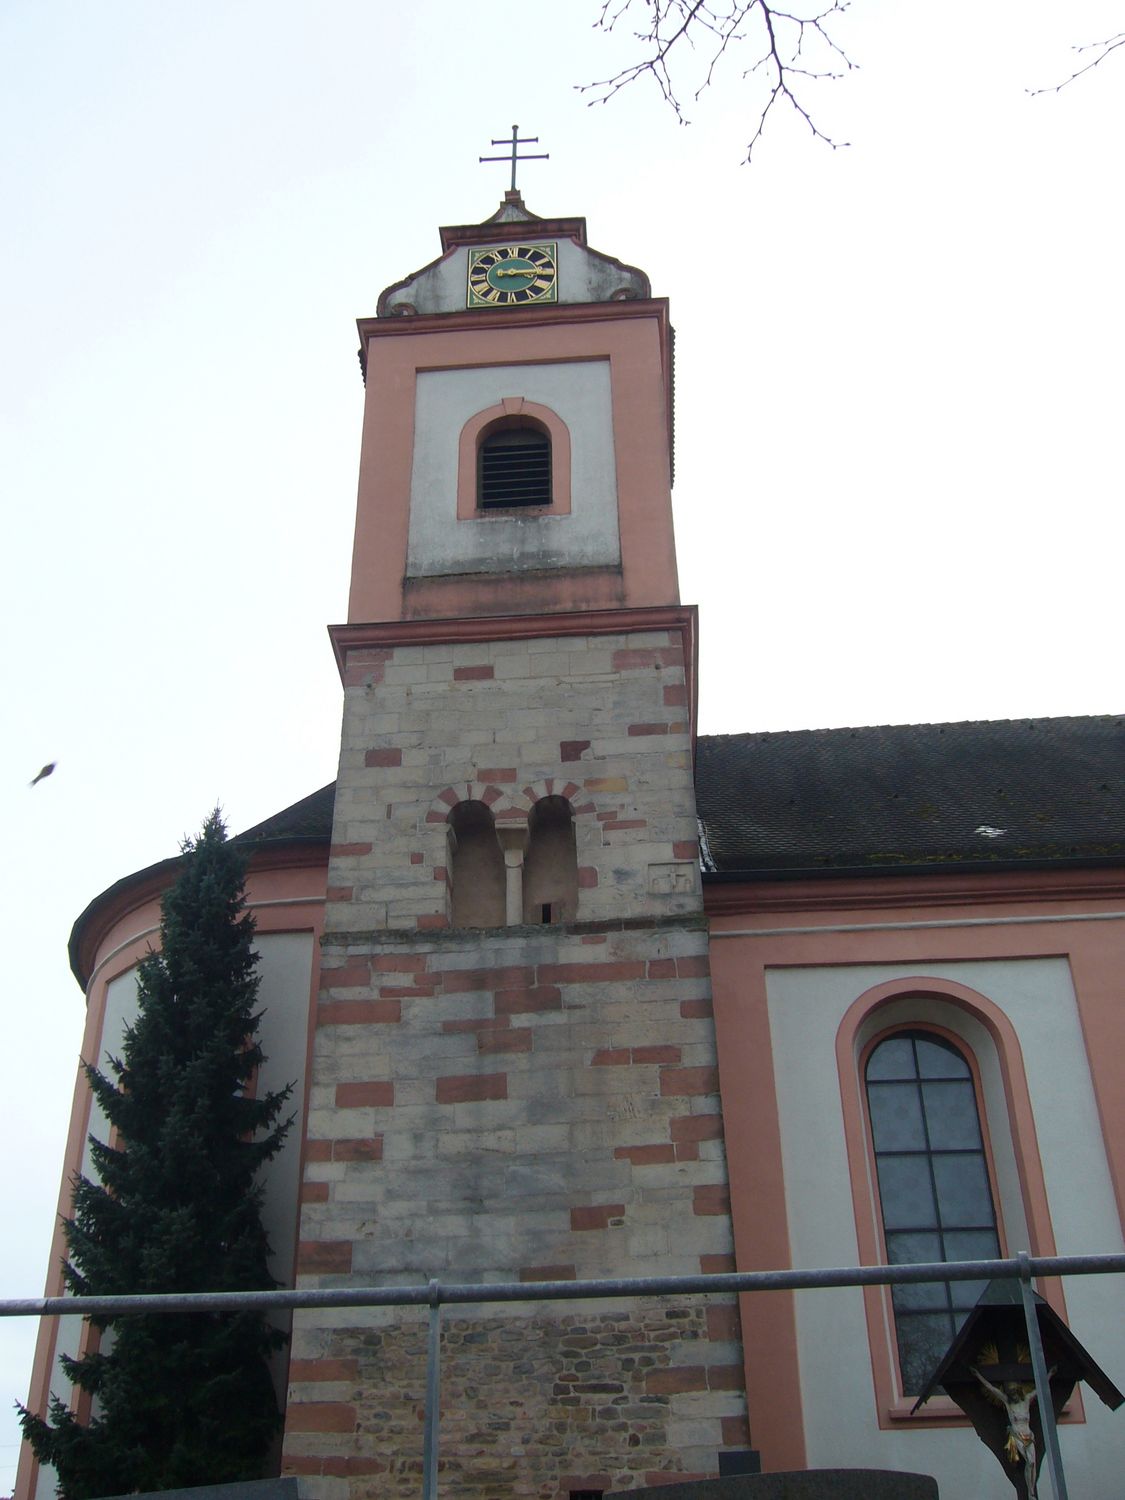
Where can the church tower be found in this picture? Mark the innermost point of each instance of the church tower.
(513, 1069)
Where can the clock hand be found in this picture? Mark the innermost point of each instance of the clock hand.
(517, 271)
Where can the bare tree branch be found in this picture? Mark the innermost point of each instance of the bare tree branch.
(797, 48)
(1103, 49)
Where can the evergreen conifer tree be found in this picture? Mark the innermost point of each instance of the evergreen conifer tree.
(177, 1399)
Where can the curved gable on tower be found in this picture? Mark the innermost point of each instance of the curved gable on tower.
(583, 274)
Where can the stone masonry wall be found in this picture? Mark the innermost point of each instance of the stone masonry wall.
(601, 719)
(516, 1103)
(533, 1406)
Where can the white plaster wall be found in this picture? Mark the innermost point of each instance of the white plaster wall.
(806, 1007)
(584, 275)
(445, 400)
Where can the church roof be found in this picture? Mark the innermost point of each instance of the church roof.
(894, 798)
(1012, 791)
(1017, 791)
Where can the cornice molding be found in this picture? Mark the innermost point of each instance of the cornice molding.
(887, 892)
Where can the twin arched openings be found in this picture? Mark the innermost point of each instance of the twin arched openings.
(516, 872)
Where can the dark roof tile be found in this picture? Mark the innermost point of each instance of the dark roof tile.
(1010, 791)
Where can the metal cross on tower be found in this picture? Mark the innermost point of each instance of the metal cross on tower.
(531, 140)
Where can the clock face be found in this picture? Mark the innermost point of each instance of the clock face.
(512, 275)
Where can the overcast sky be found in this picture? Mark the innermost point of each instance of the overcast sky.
(898, 401)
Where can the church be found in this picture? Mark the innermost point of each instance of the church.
(571, 992)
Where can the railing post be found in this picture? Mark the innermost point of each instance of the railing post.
(1042, 1381)
(433, 1397)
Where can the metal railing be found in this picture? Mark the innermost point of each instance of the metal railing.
(435, 1295)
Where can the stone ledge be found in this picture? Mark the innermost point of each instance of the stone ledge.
(806, 1484)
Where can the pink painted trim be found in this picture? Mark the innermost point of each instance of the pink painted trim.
(891, 1408)
(635, 337)
(474, 432)
(758, 1215)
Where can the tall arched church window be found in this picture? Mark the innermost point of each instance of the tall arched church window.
(550, 867)
(514, 465)
(935, 1192)
(476, 867)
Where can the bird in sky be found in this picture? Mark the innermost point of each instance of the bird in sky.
(45, 772)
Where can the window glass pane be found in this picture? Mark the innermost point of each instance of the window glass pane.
(920, 1296)
(951, 1114)
(896, 1116)
(922, 1340)
(965, 1295)
(972, 1244)
(906, 1192)
(893, 1058)
(964, 1199)
(912, 1249)
(938, 1059)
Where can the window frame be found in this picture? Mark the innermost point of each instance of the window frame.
(968, 1057)
(859, 1027)
(512, 410)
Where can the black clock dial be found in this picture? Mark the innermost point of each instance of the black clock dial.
(512, 275)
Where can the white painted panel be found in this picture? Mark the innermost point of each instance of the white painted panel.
(444, 401)
(806, 1007)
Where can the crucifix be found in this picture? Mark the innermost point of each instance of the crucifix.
(531, 140)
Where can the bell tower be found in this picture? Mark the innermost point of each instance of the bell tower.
(519, 328)
(513, 1064)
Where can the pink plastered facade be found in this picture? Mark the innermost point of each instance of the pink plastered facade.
(881, 955)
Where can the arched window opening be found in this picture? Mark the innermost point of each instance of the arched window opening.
(514, 465)
(476, 867)
(935, 1192)
(550, 867)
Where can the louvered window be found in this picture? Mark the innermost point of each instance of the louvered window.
(514, 469)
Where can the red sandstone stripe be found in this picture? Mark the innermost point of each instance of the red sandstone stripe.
(711, 1198)
(689, 1081)
(323, 1369)
(461, 1088)
(461, 981)
(369, 1148)
(518, 1039)
(723, 1325)
(320, 1416)
(596, 1216)
(661, 1055)
(527, 1002)
(358, 1012)
(697, 1128)
(695, 1010)
(324, 1256)
(645, 1156)
(481, 673)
